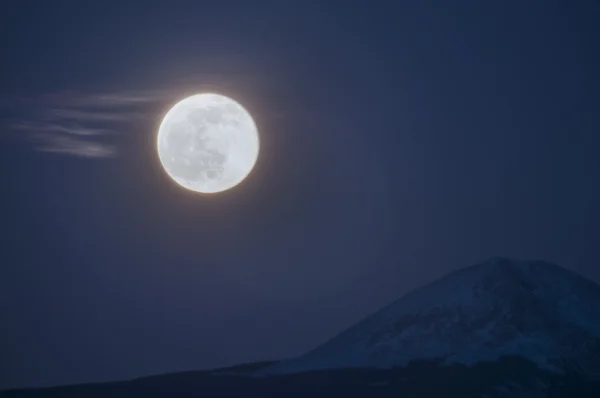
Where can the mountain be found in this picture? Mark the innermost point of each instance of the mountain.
(502, 307)
(502, 328)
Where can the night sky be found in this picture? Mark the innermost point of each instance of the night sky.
(399, 141)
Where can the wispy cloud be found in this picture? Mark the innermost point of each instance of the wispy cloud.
(67, 145)
(89, 115)
(80, 124)
(58, 128)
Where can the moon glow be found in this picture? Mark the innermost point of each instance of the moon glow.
(208, 143)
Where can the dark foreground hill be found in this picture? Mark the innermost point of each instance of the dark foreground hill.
(505, 377)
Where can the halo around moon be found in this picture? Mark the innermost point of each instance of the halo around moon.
(208, 143)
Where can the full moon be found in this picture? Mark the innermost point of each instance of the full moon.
(208, 143)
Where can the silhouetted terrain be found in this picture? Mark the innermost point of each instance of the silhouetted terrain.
(507, 377)
(503, 328)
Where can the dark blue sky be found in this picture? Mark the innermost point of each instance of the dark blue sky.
(400, 141)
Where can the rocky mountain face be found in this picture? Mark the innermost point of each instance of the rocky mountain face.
(502, 307)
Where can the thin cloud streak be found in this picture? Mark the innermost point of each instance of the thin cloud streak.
(90, 116)
(76, 124)
(65, 145)
(35, 127)
(81, 100)
(108, 100)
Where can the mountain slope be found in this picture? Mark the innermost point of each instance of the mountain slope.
(501, 307)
